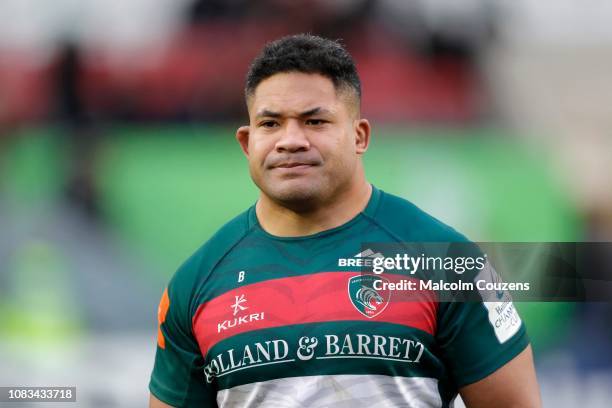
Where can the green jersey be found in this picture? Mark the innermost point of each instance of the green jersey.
(253, 319)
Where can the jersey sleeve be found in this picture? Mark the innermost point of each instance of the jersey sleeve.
(479, 337)
(178, 376)
(475, 338)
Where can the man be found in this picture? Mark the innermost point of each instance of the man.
(261, 315)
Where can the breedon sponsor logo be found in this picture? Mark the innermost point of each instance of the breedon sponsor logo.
(363, 258)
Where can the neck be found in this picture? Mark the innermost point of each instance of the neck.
(284, 222)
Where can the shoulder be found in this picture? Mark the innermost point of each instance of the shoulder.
(407, 222)
(198, 267)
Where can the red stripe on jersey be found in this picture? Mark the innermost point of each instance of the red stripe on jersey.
(320, 297)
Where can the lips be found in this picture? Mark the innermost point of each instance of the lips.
(293, 164)
(296, 161)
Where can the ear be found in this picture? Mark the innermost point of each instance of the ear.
(362, 135)
(242, 136)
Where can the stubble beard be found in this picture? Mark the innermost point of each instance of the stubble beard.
(298, 197)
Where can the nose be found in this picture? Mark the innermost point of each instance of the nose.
(292, 138)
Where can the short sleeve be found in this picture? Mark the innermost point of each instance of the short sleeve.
(178, 376)
(478, 338)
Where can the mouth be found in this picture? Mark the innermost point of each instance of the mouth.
(293, 165)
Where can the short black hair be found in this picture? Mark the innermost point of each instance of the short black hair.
(308, 54)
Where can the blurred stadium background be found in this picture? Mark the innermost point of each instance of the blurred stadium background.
(117, 158)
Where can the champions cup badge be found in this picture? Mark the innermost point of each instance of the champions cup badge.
(367, 300)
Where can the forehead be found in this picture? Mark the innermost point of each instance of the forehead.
(294, 91)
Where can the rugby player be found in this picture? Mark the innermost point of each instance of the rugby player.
(268, 312)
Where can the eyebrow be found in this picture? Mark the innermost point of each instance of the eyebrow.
(310, 112)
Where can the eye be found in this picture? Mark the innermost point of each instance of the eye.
(269, 124)
(315, 122)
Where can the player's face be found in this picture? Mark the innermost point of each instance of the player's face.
(304, 139)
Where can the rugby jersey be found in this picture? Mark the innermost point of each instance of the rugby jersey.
(256, 320)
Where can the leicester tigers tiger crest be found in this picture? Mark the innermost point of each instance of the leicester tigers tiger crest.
(369, 301)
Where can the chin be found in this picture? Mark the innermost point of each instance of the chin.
(297, 197)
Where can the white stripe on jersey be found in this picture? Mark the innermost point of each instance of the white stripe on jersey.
(334, 391)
